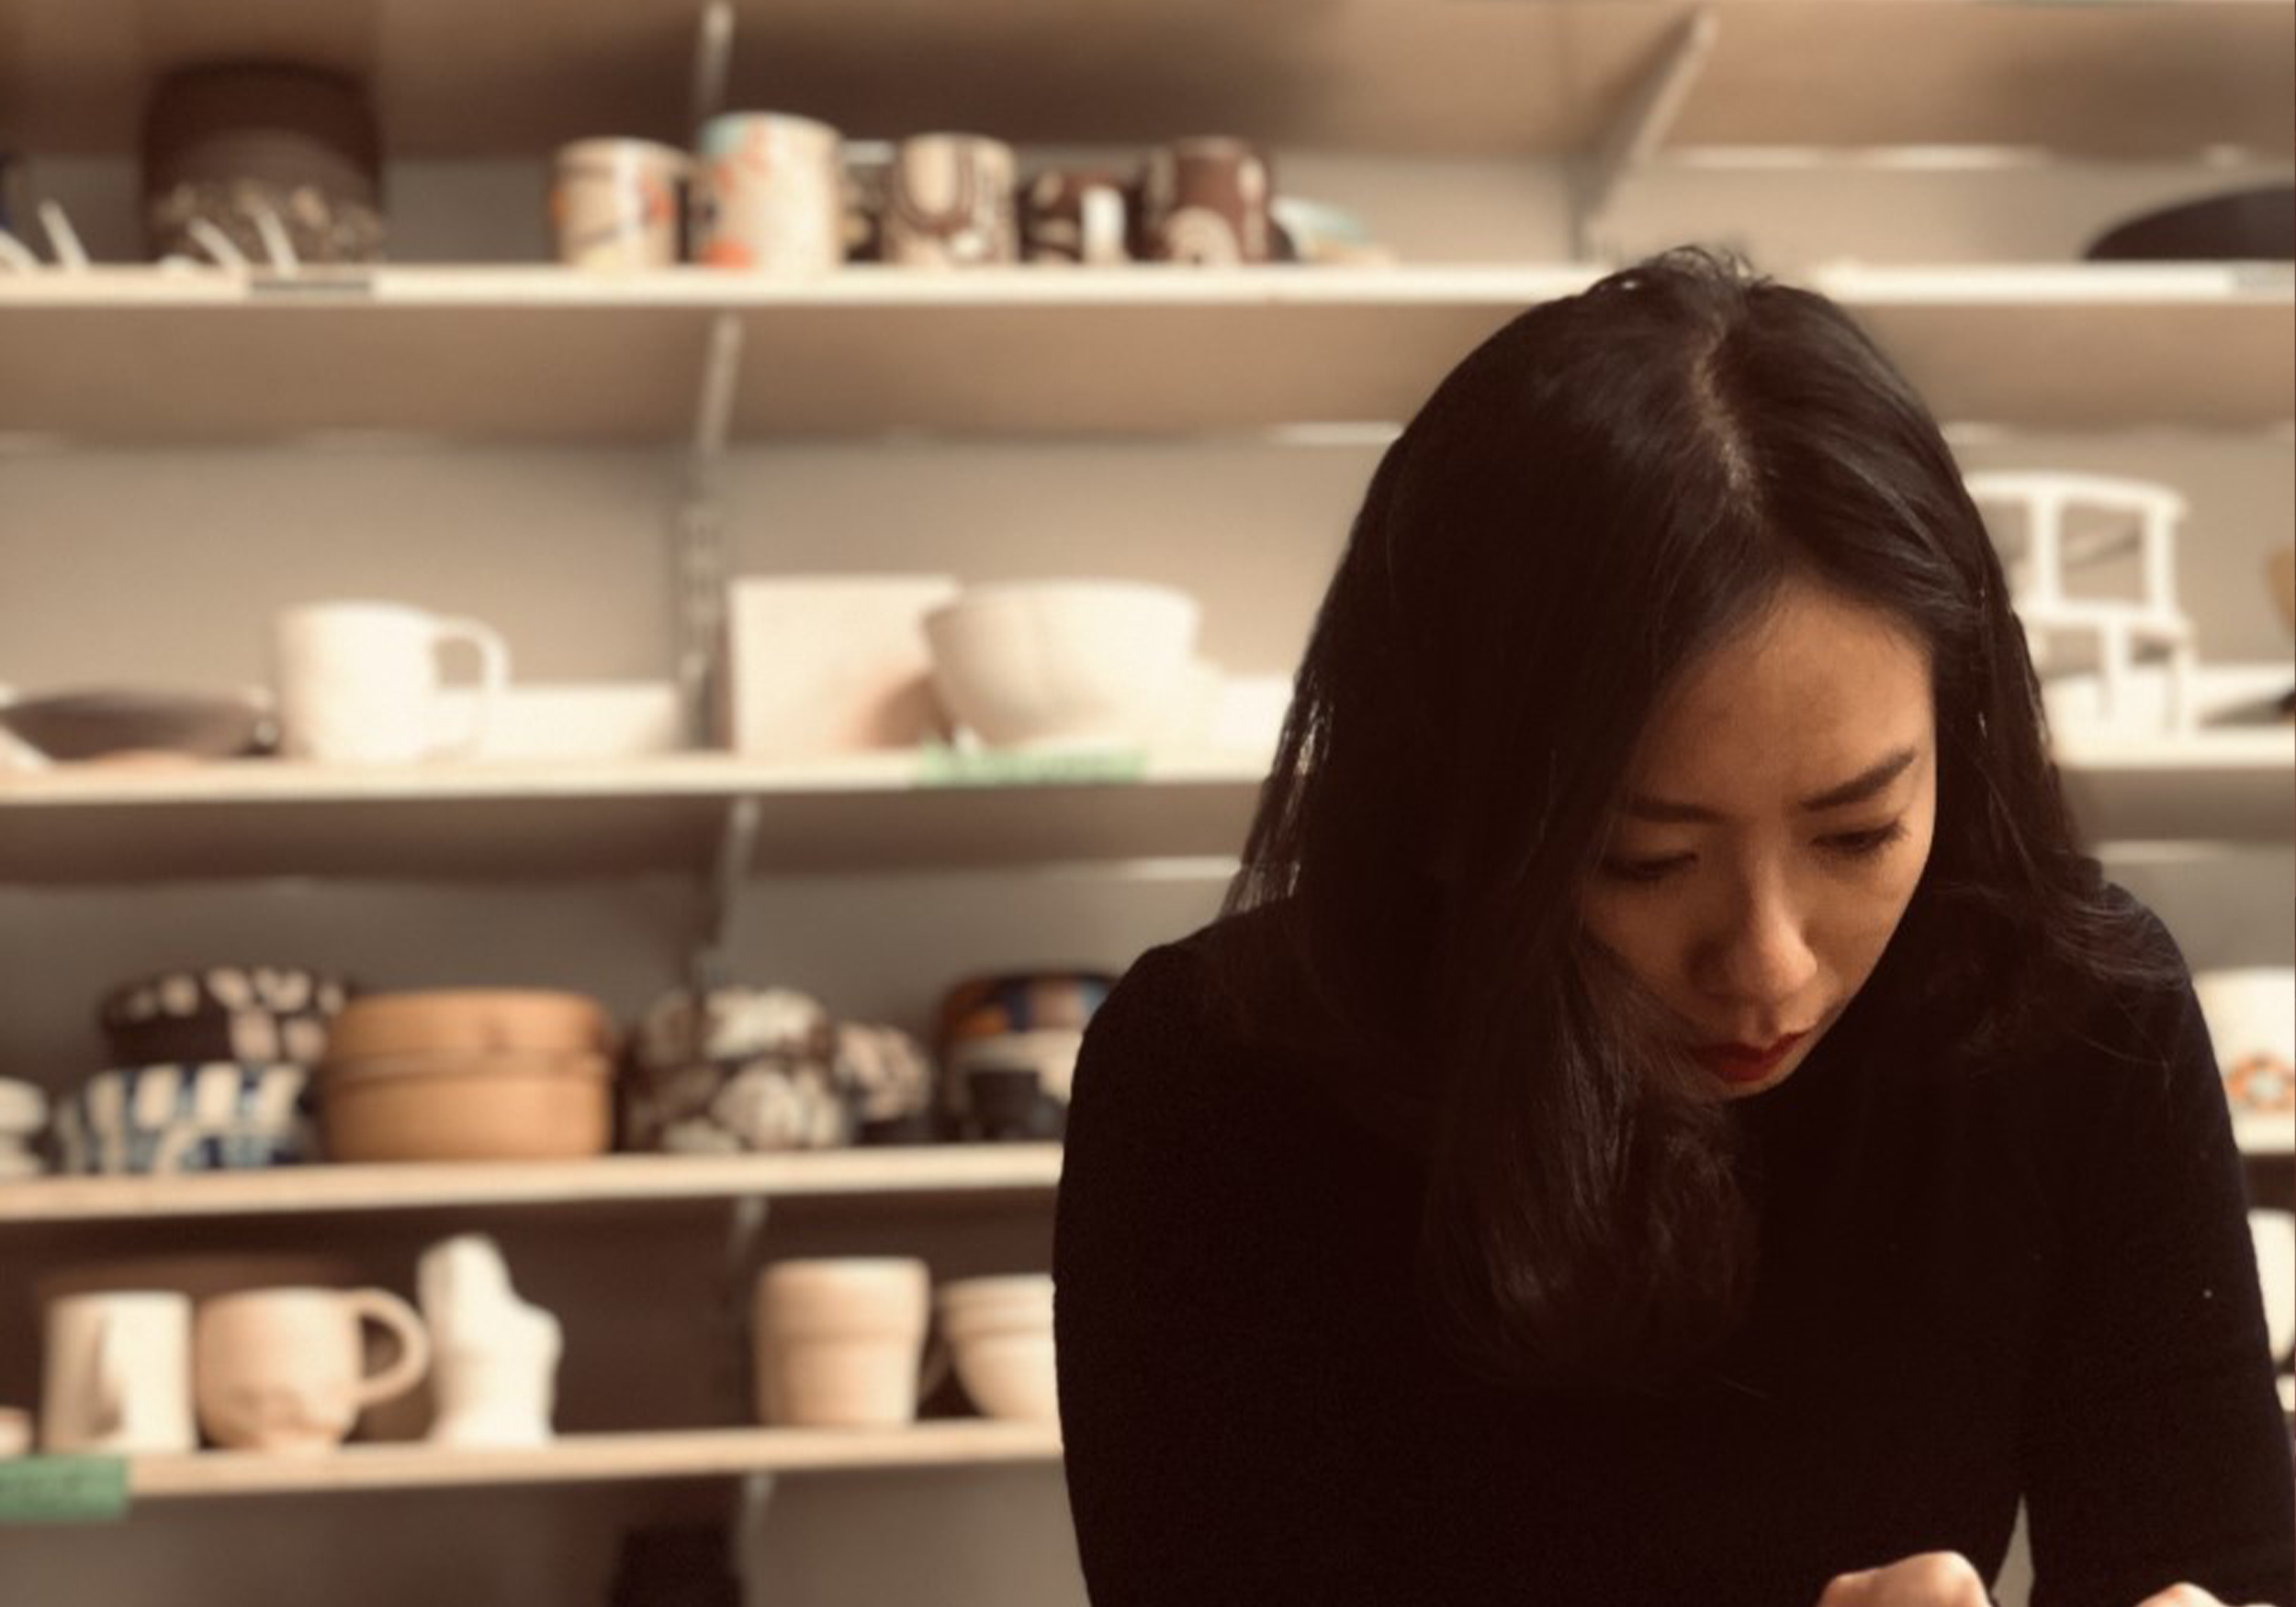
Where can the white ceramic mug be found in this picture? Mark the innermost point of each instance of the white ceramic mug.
(615, 204)
(769, 194)
(285, 1369)
(841, 1341)
(358, 681)
(118, 1374)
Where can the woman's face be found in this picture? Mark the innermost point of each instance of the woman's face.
(1779, 813)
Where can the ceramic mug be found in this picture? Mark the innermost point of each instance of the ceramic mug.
(949, 203)
(118, 1374)
(841, 1341)
(359, 681)
(1077, 215)
(769, 194)
(285, 1369)
(614, 202)
(1207, 201)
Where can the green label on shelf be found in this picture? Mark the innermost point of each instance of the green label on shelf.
(940, 765)
(63, 1490)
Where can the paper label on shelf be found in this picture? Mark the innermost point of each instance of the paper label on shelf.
(943, 766)
(63, 1490)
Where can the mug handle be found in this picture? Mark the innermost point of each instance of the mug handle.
(388, 1311)
(494, 675)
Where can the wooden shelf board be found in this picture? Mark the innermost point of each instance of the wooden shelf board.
(136, 354)
(925, 1170)
(594, 1458)
(82, 823)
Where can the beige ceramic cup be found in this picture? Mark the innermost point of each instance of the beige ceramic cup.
(119, 1373)
(615, 204)
(841, 1341)
(285, 1369)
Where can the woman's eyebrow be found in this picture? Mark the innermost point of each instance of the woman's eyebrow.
(1856, 789)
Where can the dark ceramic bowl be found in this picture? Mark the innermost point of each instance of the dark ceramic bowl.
(101, 724)
(2253, 225)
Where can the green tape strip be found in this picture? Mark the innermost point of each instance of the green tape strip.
(940, 765)
(63, 1490)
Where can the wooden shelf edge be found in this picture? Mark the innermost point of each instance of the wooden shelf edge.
(323, 1188)
(593, 1459)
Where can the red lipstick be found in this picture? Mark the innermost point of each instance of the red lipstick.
(1734, 1062)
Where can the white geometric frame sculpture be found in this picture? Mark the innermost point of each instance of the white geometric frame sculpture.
(2123, 627)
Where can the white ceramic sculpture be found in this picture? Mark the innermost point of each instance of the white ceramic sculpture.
(495, 1357)
(2146, 518)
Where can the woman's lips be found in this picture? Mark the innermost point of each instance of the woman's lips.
(1734, 1064)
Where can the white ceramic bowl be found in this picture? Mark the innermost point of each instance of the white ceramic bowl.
(1061, 664)
(1009, 1375)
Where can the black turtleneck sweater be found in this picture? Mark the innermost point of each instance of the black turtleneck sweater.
(2037, 1283)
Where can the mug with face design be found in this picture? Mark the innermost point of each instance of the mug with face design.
(285, 1369)
(949, 203)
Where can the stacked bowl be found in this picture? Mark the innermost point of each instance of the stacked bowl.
(210, 1072)
(469, 1074)
(999, 1333)
(23, 1113)
(1008, 1046)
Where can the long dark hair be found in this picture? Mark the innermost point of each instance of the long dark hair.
(1611, 485)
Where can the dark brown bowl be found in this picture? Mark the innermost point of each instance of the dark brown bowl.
(101, 724)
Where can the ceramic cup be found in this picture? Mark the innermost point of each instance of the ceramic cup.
(615, 204)
(119, 1373)
(769, 194)
(358, 681)
(1207, 201)
(841, 1341)
(285, 1369)
(949, 203)
(2274, 1234)
(1078, 215)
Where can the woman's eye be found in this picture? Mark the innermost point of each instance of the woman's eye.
(1849, 845)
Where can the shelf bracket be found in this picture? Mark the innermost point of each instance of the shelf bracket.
(708, 967)
(698, 537)
(713, 51)
(1635, 133)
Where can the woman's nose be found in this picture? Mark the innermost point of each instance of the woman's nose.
(1758, 958)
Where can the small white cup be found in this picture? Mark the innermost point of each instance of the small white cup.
(358, 682)
(118, 1374)
(770, 195)
(840, 1341)
(615, 204)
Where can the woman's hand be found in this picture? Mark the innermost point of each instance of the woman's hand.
(2184, 1596)
(1934, 1578)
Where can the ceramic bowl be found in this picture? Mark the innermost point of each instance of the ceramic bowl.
(118, 723)
(469, 1021)
(1062, 664)
(1009, 1375)
(220, 1115)
(467, 1106)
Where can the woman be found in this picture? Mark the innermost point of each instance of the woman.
(1666, 1113)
